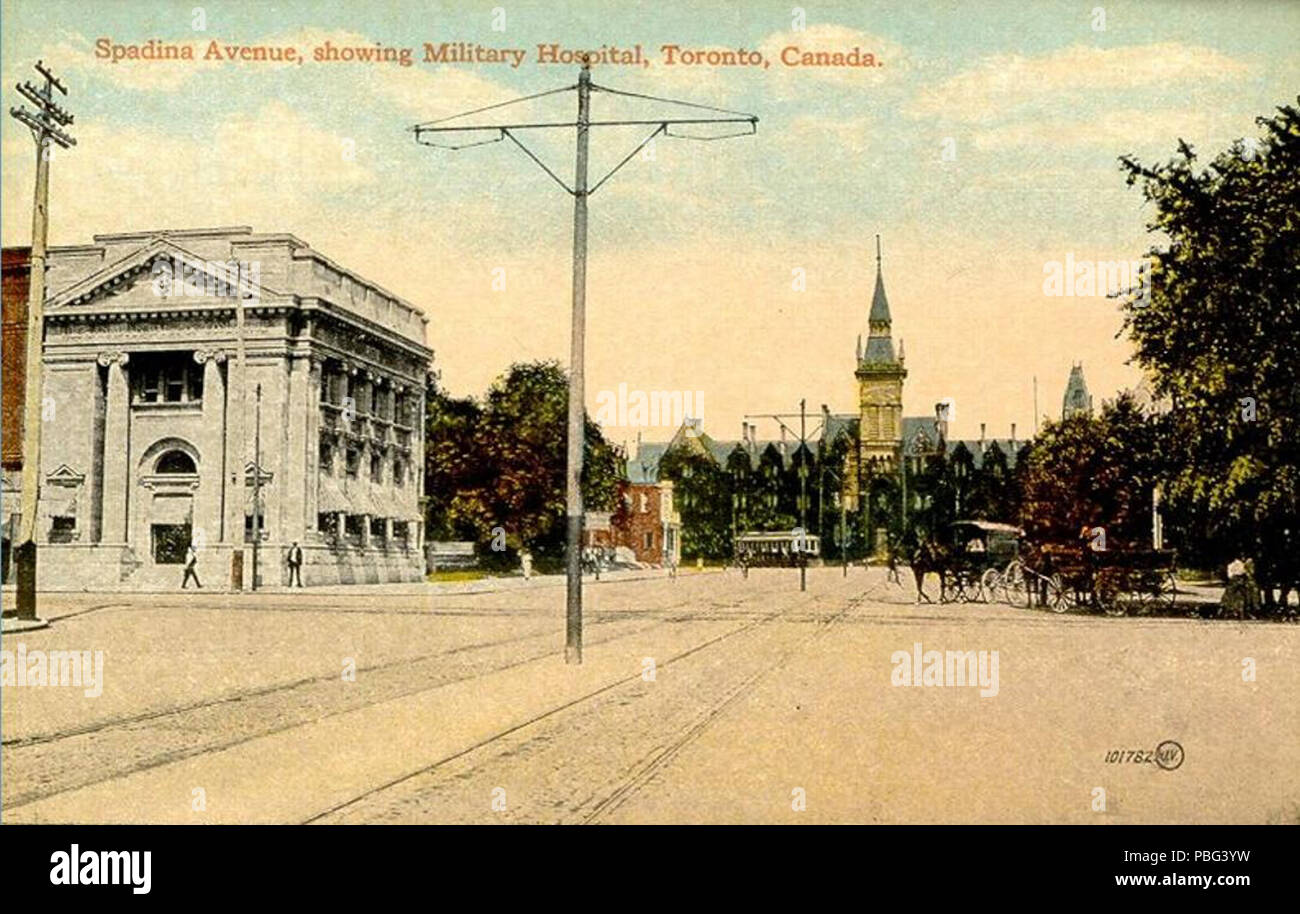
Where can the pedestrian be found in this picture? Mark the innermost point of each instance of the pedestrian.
(526, 564)
(295, 564)
(191, 568)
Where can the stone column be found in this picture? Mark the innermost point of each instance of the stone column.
(212, 442)
(297, 457)
(117, 449)
(312, 444)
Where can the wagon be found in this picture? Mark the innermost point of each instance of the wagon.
(1113, 581)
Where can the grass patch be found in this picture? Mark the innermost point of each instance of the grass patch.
(464, 574)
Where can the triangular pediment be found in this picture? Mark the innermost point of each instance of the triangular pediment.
(162, 274)
(65, 475)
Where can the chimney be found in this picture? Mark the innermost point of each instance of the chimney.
(981, 437)
(1013, 436)
(941, 419)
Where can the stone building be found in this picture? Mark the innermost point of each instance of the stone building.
(1077, 401)
(151, 414)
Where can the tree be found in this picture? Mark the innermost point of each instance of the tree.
(499, 466)
(1218, 333)
(1094, 471)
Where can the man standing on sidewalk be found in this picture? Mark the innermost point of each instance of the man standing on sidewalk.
(295, 564)
(191, 568)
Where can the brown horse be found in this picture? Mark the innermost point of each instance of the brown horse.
(928, 557)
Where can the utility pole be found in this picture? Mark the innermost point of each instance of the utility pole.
(257, 479)
(44, 124)
(580, 191)
(803, 477)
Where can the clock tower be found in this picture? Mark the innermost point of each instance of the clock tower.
(880, 375)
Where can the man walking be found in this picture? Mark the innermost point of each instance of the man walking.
(191, 568)
(295, 564)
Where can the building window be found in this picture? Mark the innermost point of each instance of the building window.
(175, 462)
(399, 473)
(374, 399)
(63, 529)
(377, 528)
(400, 531)
(650, 540)
(167, 377)
(352, 527)
(353, 466)
(328, 524)
(377, 467)
(645, 504)
(248, 527)
(170, 542)
(327, 458)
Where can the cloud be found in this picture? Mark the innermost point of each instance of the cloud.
(122, 178)
(1000, 84)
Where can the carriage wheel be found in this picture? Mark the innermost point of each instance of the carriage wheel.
(991, 583)
(1015, 590)
(968, 587)
(1060, 599)
(1168, 595)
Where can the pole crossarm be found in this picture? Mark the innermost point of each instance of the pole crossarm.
(663, 126)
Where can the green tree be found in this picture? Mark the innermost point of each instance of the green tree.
(1219, 333)
(500, 465)
(1094, 471)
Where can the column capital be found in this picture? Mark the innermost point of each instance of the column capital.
(209, 355)
(112, 357)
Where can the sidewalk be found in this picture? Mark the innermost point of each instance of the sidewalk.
(488, 585)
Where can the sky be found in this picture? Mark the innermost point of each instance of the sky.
(983, 147)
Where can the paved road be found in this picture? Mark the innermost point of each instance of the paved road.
(710, 698)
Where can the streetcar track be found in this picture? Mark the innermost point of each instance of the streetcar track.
(657, 761)
(167, 758)
(374, 791)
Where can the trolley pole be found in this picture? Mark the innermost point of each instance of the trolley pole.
(44, 124)
(803, 496)
(577, 407)
(802, 415)
(257, 479)
(581, 190)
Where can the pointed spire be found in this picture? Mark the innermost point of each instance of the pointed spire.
(880, 348)
(879, 304)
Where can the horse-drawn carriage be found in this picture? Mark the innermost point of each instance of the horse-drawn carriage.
(1116, 581)
(976, 552)
(980, 560)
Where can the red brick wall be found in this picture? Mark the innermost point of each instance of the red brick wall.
(17, 274)
(633, 531)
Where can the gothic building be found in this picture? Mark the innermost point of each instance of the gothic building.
(1077, 400)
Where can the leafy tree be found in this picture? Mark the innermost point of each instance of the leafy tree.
(500, 465)
(1094, 471)
(1219, 333)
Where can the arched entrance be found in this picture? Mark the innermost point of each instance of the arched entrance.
(169, 470)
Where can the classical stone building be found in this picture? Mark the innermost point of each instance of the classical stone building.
(153, 419)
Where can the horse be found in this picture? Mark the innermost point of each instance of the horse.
(925, 558)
